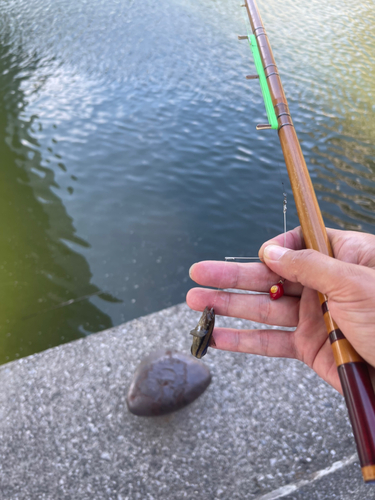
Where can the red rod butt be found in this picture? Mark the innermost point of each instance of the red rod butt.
(360, 400)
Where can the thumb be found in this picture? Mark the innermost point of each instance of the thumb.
(311, 268)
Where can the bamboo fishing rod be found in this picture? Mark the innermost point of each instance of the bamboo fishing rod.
(353, 370)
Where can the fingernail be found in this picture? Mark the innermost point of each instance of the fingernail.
(190, 270)
(274, 252)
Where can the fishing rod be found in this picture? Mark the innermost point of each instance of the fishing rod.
(353, 371)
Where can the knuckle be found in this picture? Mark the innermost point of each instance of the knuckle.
(235, 277)
(227, 300)
(264, 308)
(237, 342)
(265, 342)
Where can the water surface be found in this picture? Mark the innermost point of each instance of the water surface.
(129, 151)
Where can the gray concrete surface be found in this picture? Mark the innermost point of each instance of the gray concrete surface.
(264, 429)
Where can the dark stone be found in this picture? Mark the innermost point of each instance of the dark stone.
(166, 381)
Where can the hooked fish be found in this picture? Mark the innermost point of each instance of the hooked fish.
(202, 333)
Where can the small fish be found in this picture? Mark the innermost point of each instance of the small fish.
(202, 333)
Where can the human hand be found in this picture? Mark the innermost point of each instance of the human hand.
(348, 281)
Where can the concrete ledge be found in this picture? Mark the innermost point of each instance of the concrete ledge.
(262, 430)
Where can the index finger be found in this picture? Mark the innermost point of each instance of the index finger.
(256, 277)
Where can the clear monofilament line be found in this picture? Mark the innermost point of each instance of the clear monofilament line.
(244, 259)
(234, 259)
(284, 213)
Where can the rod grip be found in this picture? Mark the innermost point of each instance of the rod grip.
(360, 401)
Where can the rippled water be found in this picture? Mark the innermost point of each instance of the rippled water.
(128, 149)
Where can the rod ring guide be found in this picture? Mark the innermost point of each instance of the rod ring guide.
(285, 124)
(268, 65)
(282, 114)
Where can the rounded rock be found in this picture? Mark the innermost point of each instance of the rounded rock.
(166, 381)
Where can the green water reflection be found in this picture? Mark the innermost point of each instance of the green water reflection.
(38, 271)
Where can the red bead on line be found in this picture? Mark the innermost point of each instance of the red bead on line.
(276, 291)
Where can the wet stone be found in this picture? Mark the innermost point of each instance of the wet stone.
(166, 381)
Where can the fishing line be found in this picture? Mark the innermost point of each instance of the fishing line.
(244, 259)
(276, 291)
(68, 303)
(203, 331)
(273, 122)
